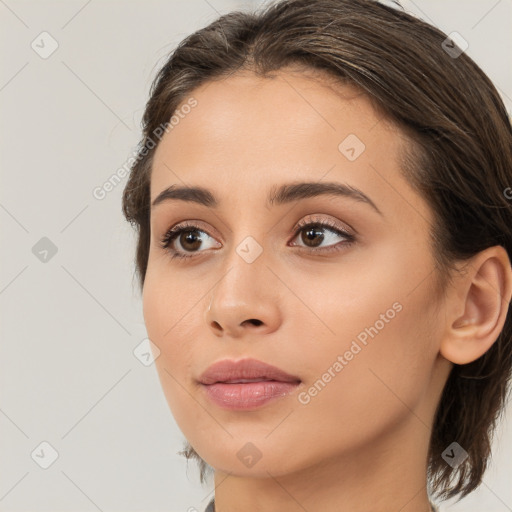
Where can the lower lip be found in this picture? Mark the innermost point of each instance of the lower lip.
(247, 395)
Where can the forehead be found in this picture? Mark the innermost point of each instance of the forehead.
(247, 133)
(254, 113)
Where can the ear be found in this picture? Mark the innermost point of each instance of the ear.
(477, 306)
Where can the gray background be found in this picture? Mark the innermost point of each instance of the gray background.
(70, 324)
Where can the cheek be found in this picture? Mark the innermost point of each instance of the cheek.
(381, 323)
(387, 348)
(168, 315)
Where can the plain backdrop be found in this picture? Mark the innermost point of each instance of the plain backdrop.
(72, 386)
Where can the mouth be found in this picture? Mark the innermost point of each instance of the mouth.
(246, 384)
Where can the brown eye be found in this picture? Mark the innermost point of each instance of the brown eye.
(313, 236)
(188, 237)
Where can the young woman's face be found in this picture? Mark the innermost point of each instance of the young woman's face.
(352, 316)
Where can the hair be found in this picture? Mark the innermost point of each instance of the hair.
(459, 158)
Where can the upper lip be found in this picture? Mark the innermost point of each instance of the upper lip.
(228, 370)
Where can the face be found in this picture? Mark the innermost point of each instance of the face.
(331, 288)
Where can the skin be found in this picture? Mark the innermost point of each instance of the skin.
(361, 443)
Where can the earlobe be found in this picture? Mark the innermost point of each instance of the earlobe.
(483, 296)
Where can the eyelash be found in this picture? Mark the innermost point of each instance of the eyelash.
(175, 232)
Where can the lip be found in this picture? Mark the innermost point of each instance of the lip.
(221, 381)
(229, 370)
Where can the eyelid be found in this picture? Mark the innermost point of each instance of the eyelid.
(189, 223)
(317, 218)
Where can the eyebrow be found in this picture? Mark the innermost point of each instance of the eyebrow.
(278, 195)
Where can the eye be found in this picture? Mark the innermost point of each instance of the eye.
(188, 235)
(313, 235)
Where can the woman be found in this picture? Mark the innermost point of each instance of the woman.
(324, 242)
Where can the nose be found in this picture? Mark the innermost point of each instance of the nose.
(244, 301)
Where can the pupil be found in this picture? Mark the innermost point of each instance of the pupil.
(192, 238)
(311, 234)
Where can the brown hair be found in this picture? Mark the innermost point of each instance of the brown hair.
(460, 160)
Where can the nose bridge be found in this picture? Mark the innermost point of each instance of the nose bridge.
(245, 268)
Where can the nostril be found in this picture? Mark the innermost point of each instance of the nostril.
(254, 321)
